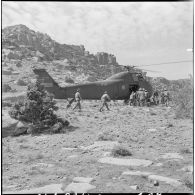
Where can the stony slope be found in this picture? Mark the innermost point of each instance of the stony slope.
(151, 134)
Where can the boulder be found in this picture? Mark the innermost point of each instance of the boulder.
(82, 179)
(79, 187)
(7, 121)
(134, 187)
(21, 128)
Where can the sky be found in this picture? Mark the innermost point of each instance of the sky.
(137, 33)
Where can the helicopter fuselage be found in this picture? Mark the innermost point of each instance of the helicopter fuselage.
(118, 86)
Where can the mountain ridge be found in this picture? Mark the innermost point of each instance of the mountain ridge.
(20, 36)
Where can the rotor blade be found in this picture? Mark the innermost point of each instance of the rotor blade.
(150, 70)
(175, 62)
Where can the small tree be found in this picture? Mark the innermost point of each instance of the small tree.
(37, 109)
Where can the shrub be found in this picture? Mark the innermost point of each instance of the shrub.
(21, 82)
(69, 80)
(188, 182)
(185, 151)
(6, 88)
(37, 108)
(18, 64)
(121, 150)
(105, 136)
(6, 104)
(183, 100)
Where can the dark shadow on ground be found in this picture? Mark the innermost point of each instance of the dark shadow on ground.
(8, 131)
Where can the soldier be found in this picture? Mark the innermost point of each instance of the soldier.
(105, 98)
(138, 96)
(166, 97)
(152, 100)
(78, 99)
(142, 97)
(132, 98)
(147, 99)
(156, 97)
(162, 97)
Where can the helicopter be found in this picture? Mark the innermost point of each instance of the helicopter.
(119, 86)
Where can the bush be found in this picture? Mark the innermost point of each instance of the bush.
(121, 150)
(6, 88)
(105, 136)
(18, 64)
(188, 182)
(6, 104)
(21, 82)
(37, 108)
(183, 100)
(68, 80)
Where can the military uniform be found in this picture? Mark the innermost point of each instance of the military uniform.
(77, 99)
(166, 97)
(105, 98)
(141, 97)
(147, 99)
(156, 97)
(132, 98)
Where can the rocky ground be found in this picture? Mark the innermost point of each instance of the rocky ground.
(160, 149)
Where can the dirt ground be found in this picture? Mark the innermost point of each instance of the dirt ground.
(33, 161)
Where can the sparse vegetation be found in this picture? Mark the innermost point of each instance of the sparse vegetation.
(24, 146)
(183, 100)
(6, 104)
(170, 125)
(18, 64)
(21, 140)
(144, 176)
(41, 182)
(36, 171)
(105, 136)
(152, 113)
(188, 182)
(69, 80)
(121, 150)
(185, 151)
(21, 82)
(32, 158)
(6, 88)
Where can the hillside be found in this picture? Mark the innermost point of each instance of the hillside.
(20, 42)
(23, 48)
